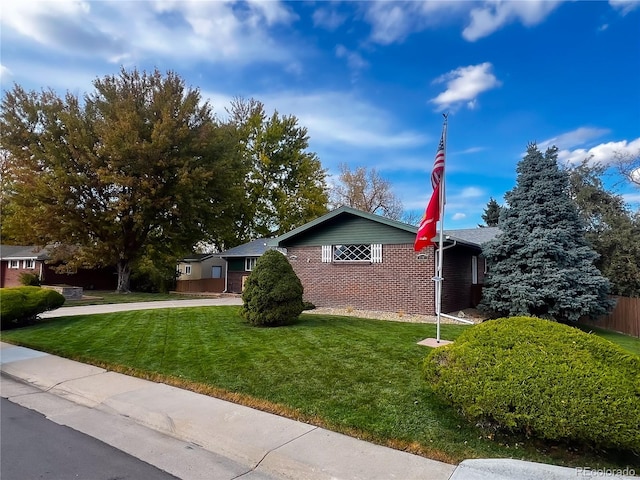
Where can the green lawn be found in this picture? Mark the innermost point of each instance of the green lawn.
(357, 376)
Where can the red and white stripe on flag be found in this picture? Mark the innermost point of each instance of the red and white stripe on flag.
(427, 228)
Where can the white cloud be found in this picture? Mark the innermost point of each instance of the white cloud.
(493, 15)
(354, 59)
(223, 31)
(459, 216)
(5, 73)
(624, 6)
(605, 153)
(576, 137)
(470, 192)
(328, 18)
(464, 84)
(392, 22)
(362, 125)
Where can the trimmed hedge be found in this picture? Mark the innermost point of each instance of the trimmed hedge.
(545, 379)
(20, 306)
(273, 293)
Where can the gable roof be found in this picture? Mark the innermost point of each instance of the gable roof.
(339, 212)
(255, 248)
(22, 252)
(472, 236)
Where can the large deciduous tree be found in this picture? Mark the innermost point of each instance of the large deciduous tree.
(365, 189)
(541, 264)
(136, 166)
(284, 182)
(612, 229)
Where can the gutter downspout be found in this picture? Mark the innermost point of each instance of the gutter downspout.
(226, 276)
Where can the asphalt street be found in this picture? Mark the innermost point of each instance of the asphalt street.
(34, 447)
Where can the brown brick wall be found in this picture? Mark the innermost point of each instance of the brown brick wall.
(401, 283)
(10, 277)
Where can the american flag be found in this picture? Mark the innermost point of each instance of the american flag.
(438, 164)
(427, 228)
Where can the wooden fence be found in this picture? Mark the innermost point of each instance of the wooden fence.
(625, 317)
(214, 285)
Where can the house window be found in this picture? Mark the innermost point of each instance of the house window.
(31, 264)
(14, 263)
(216, 271)
(352, 253)
(187, 270)
(250, 263)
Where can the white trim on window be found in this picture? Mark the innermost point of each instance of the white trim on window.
(187, 269)
(29, 264)
(250, 263)
(352, 253)
(14, 263)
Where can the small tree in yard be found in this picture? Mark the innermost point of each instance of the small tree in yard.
(273, 293)
(541, 264)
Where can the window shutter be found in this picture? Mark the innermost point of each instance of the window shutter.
(376, 253)
(326, 253)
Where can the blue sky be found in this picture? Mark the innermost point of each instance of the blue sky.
(370, 80)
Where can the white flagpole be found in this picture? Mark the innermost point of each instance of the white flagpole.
(439, 270)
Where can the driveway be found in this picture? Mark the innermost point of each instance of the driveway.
(125, 307)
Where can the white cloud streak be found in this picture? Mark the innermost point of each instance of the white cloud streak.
(605, 153)
(494, 15)
(223, 31)
(575, 138)
(465, 84)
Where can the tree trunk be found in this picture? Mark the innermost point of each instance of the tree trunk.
(124, 275)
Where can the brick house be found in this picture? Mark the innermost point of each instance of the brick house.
(352, 258)
(15, 260)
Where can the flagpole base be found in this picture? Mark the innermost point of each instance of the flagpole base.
(434, 342)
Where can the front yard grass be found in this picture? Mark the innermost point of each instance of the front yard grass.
(357, 376)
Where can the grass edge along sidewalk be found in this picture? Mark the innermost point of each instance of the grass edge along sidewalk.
(356, 376)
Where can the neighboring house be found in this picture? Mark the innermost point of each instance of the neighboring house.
(15, 260)
(18, 259)
(201, 273)
(240, 262)
(350, 258)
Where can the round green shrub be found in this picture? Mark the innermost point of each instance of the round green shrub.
(273, 293)
(20, 306)
(545, 379)
(29, 279)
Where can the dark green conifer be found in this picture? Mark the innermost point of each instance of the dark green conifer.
(541, 264)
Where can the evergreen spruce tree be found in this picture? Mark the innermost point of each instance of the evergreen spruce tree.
(491, 214)
(541, 264)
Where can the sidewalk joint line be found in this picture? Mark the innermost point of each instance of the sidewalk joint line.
(72, 380)
(277, 448)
